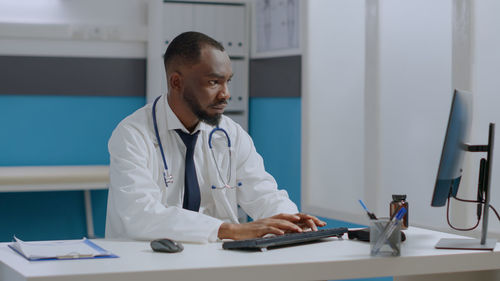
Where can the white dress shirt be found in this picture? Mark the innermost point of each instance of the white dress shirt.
(140, 206)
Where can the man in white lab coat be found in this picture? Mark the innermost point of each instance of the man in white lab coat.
(199, 202)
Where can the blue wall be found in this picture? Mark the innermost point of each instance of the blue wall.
(74, 130)
(275, 126)
(275, 129)
(56, 130)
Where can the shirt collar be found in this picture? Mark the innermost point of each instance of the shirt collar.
(174, 123)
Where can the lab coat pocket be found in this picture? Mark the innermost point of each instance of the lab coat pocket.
(225, 204)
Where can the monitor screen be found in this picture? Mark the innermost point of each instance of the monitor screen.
(454, 148)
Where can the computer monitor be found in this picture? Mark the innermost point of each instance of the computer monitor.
(452, 156)
(451, 164)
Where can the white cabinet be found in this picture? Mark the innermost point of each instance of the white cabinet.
(176, 17)
(226, 22)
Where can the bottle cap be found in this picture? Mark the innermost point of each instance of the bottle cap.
(399, 197)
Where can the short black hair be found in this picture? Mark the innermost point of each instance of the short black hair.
(187, 46)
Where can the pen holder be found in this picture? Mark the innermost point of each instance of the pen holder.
(388, 244)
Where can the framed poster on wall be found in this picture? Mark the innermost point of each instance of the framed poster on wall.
(276, 28)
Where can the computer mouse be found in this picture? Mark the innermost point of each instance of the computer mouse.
(166, 245)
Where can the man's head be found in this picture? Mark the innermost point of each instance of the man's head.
(198, 72)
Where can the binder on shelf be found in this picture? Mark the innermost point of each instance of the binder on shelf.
(59, 250)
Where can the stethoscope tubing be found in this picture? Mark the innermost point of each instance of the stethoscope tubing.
(212, 133)
(155, 124)
(167, 177)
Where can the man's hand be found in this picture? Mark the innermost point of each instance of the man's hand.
(309, 222)
(278, 224)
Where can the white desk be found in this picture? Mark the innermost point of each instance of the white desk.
(57, 178)
(334, 259)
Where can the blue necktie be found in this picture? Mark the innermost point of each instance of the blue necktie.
(191, 188)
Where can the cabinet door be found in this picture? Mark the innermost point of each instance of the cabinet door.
(237, 87)
(177, 18)
(206, 20)
(224, 23)
(229, 28)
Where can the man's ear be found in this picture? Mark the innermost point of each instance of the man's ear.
(176, 81)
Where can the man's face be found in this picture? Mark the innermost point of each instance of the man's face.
(206, 85)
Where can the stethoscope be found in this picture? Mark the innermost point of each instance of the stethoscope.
(168, 178)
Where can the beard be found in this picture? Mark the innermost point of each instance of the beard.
(203, 115)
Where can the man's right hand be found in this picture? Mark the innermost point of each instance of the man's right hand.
(278, 224)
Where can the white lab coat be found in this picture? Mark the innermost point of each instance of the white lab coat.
(141, 207)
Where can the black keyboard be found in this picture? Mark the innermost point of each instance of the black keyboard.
(283, 240)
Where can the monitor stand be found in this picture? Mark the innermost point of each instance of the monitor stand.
(466, 244)
(484, 190)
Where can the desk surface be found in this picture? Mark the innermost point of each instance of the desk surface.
(331, 259)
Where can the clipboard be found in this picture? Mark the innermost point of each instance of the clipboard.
(59, 250)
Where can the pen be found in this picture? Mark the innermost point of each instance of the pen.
(76, 256)
(388, 230)
(377, 225)
(370, 214)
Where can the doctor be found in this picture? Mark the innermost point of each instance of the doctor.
(172, 175)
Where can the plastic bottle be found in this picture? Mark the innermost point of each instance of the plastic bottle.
(398, 201)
